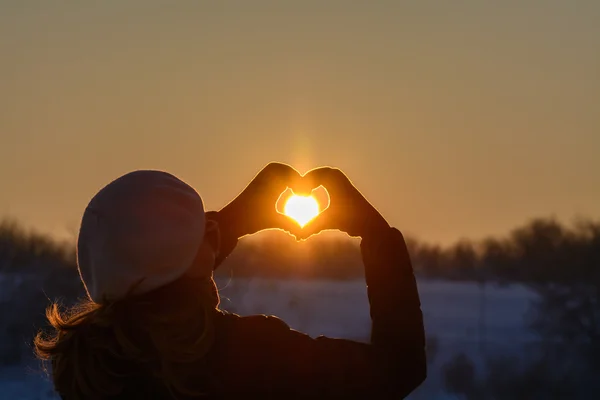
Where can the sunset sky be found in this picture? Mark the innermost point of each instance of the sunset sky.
(456, 118)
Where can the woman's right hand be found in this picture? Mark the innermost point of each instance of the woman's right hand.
(254, 209)
(349, 211)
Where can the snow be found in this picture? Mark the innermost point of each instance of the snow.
(463, 317)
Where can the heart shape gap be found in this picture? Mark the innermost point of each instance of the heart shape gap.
(305, 207)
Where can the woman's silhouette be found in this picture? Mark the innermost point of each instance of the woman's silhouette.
(151, 327)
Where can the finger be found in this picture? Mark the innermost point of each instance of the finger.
(279, 171)
(332, 179)
(287, 224)
(276, 177)
(324, 221)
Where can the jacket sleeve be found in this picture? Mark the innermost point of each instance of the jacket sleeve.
(394, 362)
(228, 241)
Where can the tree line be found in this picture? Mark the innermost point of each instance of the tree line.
(539, 252)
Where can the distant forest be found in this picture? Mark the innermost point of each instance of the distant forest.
(541, 251)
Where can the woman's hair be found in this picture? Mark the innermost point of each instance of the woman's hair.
(162, 336)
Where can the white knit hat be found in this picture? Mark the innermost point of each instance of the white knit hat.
(145, 226)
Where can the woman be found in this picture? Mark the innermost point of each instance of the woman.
(151, 327)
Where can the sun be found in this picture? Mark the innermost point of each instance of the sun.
(301, 208)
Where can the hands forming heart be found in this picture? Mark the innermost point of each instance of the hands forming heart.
(254, 209)
(303, 208)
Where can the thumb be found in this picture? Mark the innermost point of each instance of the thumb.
(315, 226)
(287, 224)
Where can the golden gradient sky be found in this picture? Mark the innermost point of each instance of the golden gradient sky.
(457, 118)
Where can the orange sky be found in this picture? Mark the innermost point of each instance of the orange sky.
(456, 118)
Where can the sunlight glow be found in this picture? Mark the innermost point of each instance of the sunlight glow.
(301, 208)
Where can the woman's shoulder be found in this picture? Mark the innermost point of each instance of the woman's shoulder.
(226, 321)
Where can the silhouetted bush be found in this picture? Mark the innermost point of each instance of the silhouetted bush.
(562, 266)
(537, 376)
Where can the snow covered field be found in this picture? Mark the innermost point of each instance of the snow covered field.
(462, 318)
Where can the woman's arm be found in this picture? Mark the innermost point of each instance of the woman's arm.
(263, 355)
(260, 354)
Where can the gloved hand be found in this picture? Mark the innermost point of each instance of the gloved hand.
(254, 209)
(349, 211)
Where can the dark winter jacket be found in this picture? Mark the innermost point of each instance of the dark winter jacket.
(260, 357)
